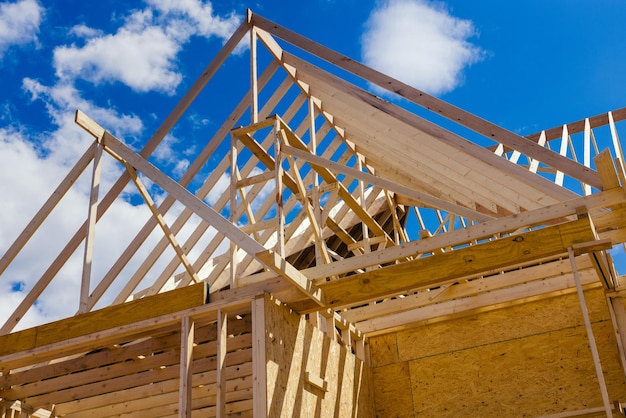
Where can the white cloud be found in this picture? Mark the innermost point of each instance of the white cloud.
(142, 53)
(200, 15)
(142, 60)
(419, 43)
(19, 23)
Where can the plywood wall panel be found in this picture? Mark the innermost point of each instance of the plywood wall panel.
(526, 360)
(294, 348)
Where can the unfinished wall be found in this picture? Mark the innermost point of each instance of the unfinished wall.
(294, 348)
(526, 360)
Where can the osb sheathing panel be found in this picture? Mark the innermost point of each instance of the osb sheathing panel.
(293, 348)
(527, 360)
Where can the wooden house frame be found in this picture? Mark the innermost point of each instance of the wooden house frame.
(349, 224)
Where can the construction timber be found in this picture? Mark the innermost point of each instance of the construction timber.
(361, 260)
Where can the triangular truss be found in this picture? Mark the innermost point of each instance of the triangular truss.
(341, 203)
(328, 183)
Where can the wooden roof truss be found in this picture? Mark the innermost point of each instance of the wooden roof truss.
(344, 205)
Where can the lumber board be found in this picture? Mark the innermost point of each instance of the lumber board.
(579, 125)
(235, 361)
(464, 262)
(485, 302)
(203, 375)
(474, 232)
(476, 287)
(104, 319)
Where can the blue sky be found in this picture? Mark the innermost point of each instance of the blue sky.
(523, 65)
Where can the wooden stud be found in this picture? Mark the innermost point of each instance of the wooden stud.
(278, 171)
(254, 88)
(587, 153)
(186, 359)
(222, 344)
(259, 388)
(91, 229)
(234, 172)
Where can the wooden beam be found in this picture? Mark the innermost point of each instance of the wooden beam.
(259, 370)
(468, 262)
(492, 286)
(91, 229)
(483, 302)
(222, 341)
(187, 336)
(469, 234)
(107, 318)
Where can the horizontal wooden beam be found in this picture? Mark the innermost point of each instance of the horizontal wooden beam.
(104, 319)
(579, 125)
(482, 230)
(467, 262)
(484, 302)
(465, 289)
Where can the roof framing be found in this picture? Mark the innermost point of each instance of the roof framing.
(338, 203)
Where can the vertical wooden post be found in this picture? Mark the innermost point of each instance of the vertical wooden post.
(222, 339)
(563, 151)
(187, 336)
(617, 148)
(365, 229)
(278, 171)
(592, 340)
(259, 370)
(315, 195)
(534, 163)
(587, 153)
(91, 228)
(233, 208)
(254, 99)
